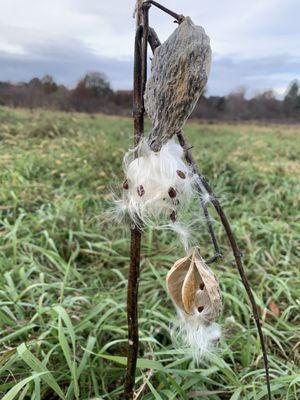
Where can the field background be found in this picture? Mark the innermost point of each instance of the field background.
(64, 263)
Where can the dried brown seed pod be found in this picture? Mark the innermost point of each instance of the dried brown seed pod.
(125, 185)
(181, 174)
(184, 280)
(173, 216)
(202, 286)
(172, 192)
(140, 190)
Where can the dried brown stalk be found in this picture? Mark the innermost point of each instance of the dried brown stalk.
(135, 247)
(140, 76)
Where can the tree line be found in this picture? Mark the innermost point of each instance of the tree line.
(93, 93)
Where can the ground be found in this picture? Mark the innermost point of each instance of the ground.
(64, 262)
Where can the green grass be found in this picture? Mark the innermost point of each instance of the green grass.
(64, 265)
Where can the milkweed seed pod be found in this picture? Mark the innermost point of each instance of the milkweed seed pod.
(179, 73)
(196, 294)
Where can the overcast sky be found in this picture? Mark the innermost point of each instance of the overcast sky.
(255, 43)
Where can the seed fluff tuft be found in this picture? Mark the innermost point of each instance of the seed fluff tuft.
(157, 186)
(196, 335)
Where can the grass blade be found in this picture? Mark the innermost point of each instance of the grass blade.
(37, 366)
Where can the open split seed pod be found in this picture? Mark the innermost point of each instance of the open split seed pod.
(196, 294)
(194, 288)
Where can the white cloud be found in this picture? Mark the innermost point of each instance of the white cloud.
(11, 48)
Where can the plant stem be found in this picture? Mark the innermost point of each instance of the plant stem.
(132, 312)
(135, 247)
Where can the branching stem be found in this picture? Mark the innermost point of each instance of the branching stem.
(236, 252)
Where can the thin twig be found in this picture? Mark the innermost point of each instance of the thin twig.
(178, 17)
(236, 253)
(153, 39)
(145, 11)
(213, 238)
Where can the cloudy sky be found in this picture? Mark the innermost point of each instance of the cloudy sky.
(255, 44)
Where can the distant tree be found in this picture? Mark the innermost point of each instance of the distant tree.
(33, 94)
(293, 91)
(97, 84)
(221, 104)
(48, 84)
(35, 83)
(268, 95)
(92, 93)
(236, 104)
(123, 101)
(292, 100)
(265, 106)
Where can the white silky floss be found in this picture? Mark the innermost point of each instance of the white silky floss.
(157, 186)
(193, 331)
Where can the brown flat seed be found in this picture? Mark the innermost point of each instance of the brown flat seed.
(181, 174)
(140, 190)
(172, 192)
(125, 185)
(173, 216)
(200, 309)
(201, 286)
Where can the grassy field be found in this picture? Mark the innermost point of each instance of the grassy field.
(63, 263)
